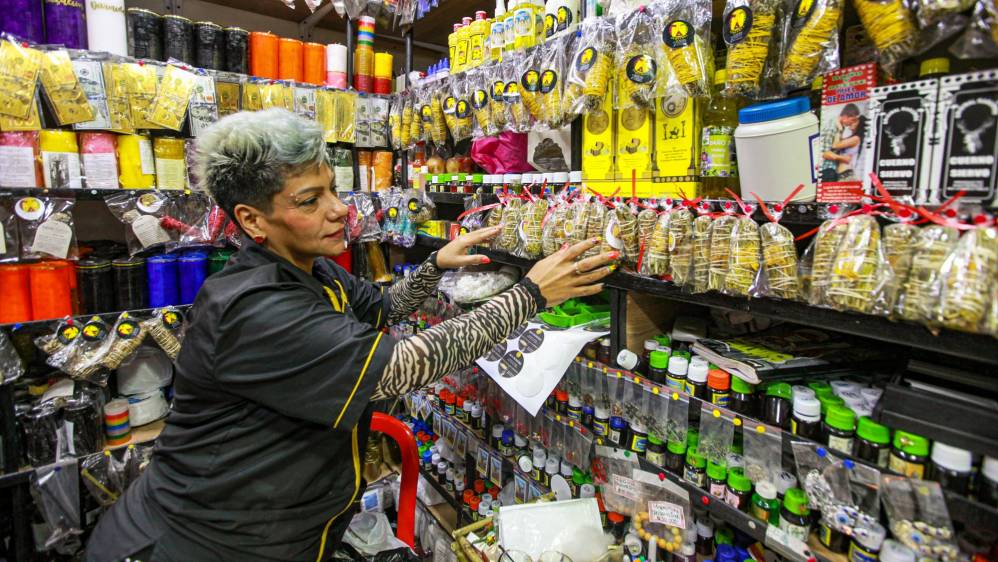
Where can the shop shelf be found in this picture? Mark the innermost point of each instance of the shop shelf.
(947, 419)
(36, 324)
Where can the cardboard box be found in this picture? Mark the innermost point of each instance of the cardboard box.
(966, 157)
(597, 143)
(899, 146)
(844, 125)
(678, 121)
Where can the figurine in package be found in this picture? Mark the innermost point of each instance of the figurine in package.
(45, 226)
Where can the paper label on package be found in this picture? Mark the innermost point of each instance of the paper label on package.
(483, 462)
(17, 166)
(667, 513)
(149, 232)
(3, 240)
(52, 238)
(624, 486)
(61, 170)
(462, 444)
(146, 158)
(496, 470)
(170, 173)
(776, 536)
(101, 170)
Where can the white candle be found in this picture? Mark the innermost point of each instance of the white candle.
(106, 26)
(336, 57)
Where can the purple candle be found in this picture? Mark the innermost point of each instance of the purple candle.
(22, 18)
(65, 23)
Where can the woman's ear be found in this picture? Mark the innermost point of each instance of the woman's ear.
(251, 220)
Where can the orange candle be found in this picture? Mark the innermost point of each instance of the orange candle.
(50, 291)
(315, 63)
(15, 294)
(289, 60)
(263, 54)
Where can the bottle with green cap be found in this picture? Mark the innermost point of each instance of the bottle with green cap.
(739, 492)
(663, 340)
(840, 426)
(696, 468)
(909, 455)
(765, 506)
(717, 476)
(675, 457)
(658, 366)
(795, 516)
(777, 406)
(873, 442)
(743, 400)
(692, 438)
(655, 451)
(816, 386)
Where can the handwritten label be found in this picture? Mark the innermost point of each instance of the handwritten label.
(667, 513)
(624, 486)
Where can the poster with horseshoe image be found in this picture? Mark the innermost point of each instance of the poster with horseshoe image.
(529, 364)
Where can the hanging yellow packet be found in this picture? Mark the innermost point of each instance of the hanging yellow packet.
(325, 113)
(271, 96)
(32, 122)
(116, 86)
(346, 115)
(69, 101)
(289, 96)
(174, 95)
(252, 97)
(228, 98)
(19, 67)
(142, 84)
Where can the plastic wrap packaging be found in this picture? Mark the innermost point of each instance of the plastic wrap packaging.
(575, 220)
(552, 78)
(492, 78)
(126, 337)
(437, 123)
(898, 243)
(10, 241)
(655, 258)
(395, 122)
(511, 216)
(45, 226)
(932, 12)
(685, 41)
(195, 219)
(480, 98)
(677, 420)
(610, 240)
(85, 361)
(41, 433)
(662, 514)
(965, 281)
(529, 80)
(749, 27)
(810, 41)
(859, 273)
(990, 325)
(681, 246)
(916, 510)
(744, 258)
(11, 366)
(554, 227)
(717, 431)
(822, 256)
(62, 88)
(720, 251)
(362, 219)
(100, 477)
(167, 329)
(143, 214)
(778, 276)
(612, 472)
(409, 118)
(701, 253)
(846, 493)
(627, 222)
(531, 228)
(420, 205)
(763, 451)
(20, 67)
(594, 218)
(517, 113)
(422, 115)
(638, 73)
(56, 490)
(173, 97)
(590, 66)
(920, 294)
(647, 218)
(980, 41)
(398, 226)
(891, 26)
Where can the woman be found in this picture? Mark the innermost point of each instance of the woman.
(848, 142)
(259, 459)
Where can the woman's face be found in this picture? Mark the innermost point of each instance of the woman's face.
(307, 219)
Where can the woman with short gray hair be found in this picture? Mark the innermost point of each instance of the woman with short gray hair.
(260, 456)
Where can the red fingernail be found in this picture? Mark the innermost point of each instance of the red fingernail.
(614, 255)
(564, 246)
(486, 260)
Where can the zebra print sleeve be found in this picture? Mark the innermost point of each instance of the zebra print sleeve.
(422, 359)
(406, 295)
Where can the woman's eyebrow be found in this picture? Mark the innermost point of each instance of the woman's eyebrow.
(307, 190)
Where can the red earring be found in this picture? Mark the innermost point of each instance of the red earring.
(258, 239)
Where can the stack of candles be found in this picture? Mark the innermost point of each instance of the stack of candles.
(363, 61)
(314, 65)
(263, 54)
(116, 424)
(383, 73)
(336, 66)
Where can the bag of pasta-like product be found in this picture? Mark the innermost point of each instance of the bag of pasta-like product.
(720, 247)
(552, 79)
(684, 27)
(408, 118)
(479, 96)
(860, 272)
(778, 275)
(681, 245)
(980, 40)
(531, 228)
(590, 66)
(438, 124)
(898, 242)
(647, 217)
(512, 214)
(920, 293)
(395, 122)
(554, 235)
(520, 118)
(821, 256)
(891, 26)
(810, 45)
(655, 256)
(637, 77)
(529, 80)
(594, 217)
(627, 220)
(745, 256)
(700, 267)
(748, 28)
(966, 279)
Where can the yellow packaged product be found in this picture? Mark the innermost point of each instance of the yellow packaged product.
(859, 271)
(530, 82)
(779, 259)
(19, 68)
(748, 28)
(921, 290)
(252, 96)
(966, 281)
(701, 252)
(825, 246)
(346, 116)
(811, 42)
(655, 260)
(479, 97)
(590, 66)
(62, 87)
(891, 26)
(744, 258)
(551, 80)
(720, 251)
(173, 97)
(681, 246)
(638, 69)
(142, 85)
(395, 123)
(116, 85)
(898, 242)
(685, 42)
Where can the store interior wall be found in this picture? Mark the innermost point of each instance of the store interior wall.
(199, 10)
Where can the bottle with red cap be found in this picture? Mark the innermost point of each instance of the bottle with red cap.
(476, 39)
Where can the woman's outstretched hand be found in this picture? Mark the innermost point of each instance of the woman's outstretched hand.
(455, 253)
(560, 277)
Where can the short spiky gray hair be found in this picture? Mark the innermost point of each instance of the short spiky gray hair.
(245, 158)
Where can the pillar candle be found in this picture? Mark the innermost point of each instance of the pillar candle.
(22, 18)
(106, 26)
(178, 38)
(145, 34)
(263, 54)
(289, 59)
(314, 66)
(65, 23)
(100, 167)
(236, 44)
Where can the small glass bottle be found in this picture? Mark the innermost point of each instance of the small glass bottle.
(765, 506)
(688, 553)
(618, 431)
(987, 482)
(872, 443)
(866, 546)
(561, 402)
(795, 516)
(655, 451)
(638, 441)
(717, 476)
(587, 416)
(705, 537)
(840, 426)
(463, 410)
(777, 405)
(909, 455)
(506, 443)
(675, 457)
(743, 400)
(658, 366)
(696, 380)
(497, 430)
(603, 353)
(442, 472)
(574, 407)
(676, 379)
(539, 458)
(739, 492)
(551, 467)
(806, 420)
(696, 469)
(601, 422)
(719, 383)
(952, 467)
(645, 363)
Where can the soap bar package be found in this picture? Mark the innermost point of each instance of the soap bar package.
(900, 144)
(966, 157)
(845, 100)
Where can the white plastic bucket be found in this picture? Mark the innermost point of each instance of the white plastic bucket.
(778, 149)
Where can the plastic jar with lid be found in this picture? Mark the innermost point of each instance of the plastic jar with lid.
(695, 469)
(645, 364)
(497, 430)
(627, 360)
(442, 472)
(774, 143)
(765, 506)
(777, 405)
(538, 458)
(696, 380)
(705, 537)
(520, 445)
(603, 352)
(909, 455)
(743, 399)
(833, 539)
(795, 516)
(801, 390)
(951, 467)
(506, 443)
(676, 377)
(675, 457)
(551, 468)
(561, 402)
(840, 426)
(477, 419)
(719, 384)
(658, 366)
(739, 492)
(574, 407)
(893, 551)
(601, 421)
(638, 439)
(617, 436)
(866, 546)
(806, 420)
(655, 451)
(828, 400)
(717, 476)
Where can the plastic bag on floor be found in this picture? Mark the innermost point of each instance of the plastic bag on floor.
(56, 490)
(371, 533)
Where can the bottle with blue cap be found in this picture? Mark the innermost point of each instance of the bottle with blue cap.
(777, 145)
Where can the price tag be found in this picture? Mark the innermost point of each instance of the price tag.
(149, 232)
(624, 486)
(667, 513)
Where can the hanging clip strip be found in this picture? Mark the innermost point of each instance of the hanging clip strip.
(747, 210)
(478, 210)
(779, 207)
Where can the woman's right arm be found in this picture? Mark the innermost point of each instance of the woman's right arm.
(456, 343)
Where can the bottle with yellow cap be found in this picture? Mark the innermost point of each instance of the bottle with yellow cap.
(497, 32)
(524, 29)
(452, 47)
(933, 68)
(476, 43)
(463, 44)
(718, 165)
